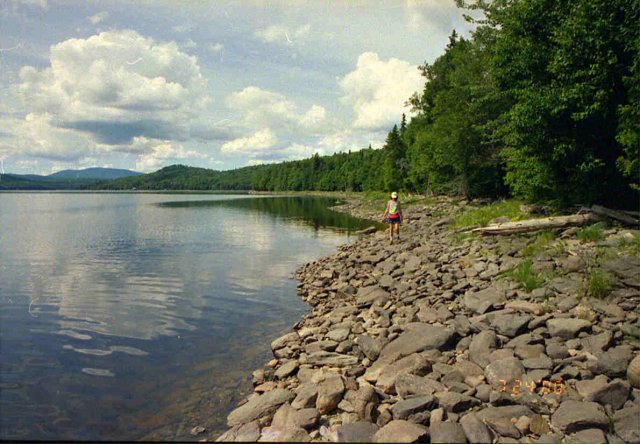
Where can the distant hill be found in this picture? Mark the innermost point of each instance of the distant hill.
(35, 182)
(94, 173)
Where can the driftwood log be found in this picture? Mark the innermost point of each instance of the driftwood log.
(620, 216)
(524, 226)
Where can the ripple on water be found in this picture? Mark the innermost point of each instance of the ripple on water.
(74, 335)
(97, 372)
(100, 352)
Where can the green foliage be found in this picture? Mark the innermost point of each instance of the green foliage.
(631, 246)
(524, 274)
(481, 216)
(591, 233)
(539, 244)
(598, 284)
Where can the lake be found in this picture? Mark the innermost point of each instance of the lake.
(140, 316)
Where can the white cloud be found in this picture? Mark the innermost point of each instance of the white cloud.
(97, 18)
(262, 108)
(44, 4)
(159, 153)
(282, 34)
(252, 146)
(189, 44)
(377, 90)
(117, 85)
(216, 47)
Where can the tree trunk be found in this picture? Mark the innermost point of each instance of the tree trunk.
(524, 226)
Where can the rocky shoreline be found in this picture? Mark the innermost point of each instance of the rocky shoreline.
(430, 340)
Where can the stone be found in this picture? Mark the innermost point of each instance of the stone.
(407, 407)
(481, 346)
(282, 341)
(286, 369)
(480, 302)
(508, 411)
(527, 351)
(597, 343)
(510, 325)
(588, 436)
(412, 385)
(614, 362)
(625, 424)
(447, 432)
(567, 328)
(370, 347)
(317, 346)
(557, 351)
(503, 427)
(289, 434)
(360, 431)
(418, 337)
(526, 307)
(367, 296)
(633, 372)
(401, 431)
(329, 394)
(539, 425)
(626, 268)
(456, 402)
(331, 359)
(472, 373)
(573, 416)
(599, 390)
(475, 430)
(339, 334)
(414, 364)
(288, 417)
(508, 370)
(541, 362)
(255, 408)
(306, 395)
(249, 432)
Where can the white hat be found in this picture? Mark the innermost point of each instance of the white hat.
(394, 195)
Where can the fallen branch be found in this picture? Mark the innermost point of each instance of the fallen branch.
(614, 214)
(524, 226)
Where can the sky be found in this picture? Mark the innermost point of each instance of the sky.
(143, 84)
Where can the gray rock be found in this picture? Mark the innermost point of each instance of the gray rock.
(339, 334)
(557, 351)
(286, 369)
(503, 427)
(370, 347)
(476, 430)
(288, 417)
(599, 390)
(360, 431)
(412, 385)
(282, 341)
(508, 369)
(289, 434)
(541, 362)
(456, 402)
(481, 346)
(249, 432)
(511, 325)
(625, 423)
(447, 432)
(626, 268)
(614, 362)
(633, 372)
(405, 408)
(306, 395)
(367, 296)
(401, 431)
(573, 416)
(414, 364)
(597, 343)
(259, 406)
(480, 302)
(567, 328)
(508, 411)
(588, 436)
(331, 359)
(329, 393)
(418, 337)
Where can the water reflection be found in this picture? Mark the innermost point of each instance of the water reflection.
(117, 307)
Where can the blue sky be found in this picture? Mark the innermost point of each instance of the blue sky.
(216, 84)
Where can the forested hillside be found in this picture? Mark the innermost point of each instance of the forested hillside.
(541, 103)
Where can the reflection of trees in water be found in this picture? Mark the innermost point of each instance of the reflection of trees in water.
(313, 211)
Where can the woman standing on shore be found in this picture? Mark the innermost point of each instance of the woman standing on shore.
(393, 216)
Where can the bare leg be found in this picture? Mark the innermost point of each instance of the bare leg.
(390, 233)
(398, 231)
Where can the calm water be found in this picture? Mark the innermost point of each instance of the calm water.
(127, 316)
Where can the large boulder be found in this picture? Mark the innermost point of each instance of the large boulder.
(447, 432)
(573, 416)
(361, 431)
(567, 328)
(504, 371)
(419, 337)
(401, 431)
(255, 408)
(329, 393)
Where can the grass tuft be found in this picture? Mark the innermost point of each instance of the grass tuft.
(591, 233)
(538, 244)
(481, 216)
(598, 284)
(524, 274)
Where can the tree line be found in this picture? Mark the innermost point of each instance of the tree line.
(542, 103)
